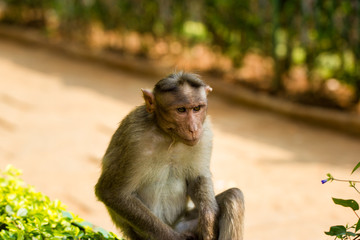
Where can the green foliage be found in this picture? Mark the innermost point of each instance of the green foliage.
(346, 232)
(355, 168)
(346, 203)
(27, 214)
(195, 30)
(340, 232)
(314, 34)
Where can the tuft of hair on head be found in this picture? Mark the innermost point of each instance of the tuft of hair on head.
(174, 80)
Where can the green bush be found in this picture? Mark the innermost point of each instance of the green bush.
(27, 214)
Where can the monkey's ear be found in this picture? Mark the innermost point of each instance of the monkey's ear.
(208, 89)
(149, 100)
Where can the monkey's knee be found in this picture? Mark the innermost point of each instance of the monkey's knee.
(232, 199)
(232, 207)
(231, 219)
(237, 195)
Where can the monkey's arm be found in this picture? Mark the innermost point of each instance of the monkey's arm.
(134, 212)
(202, 194)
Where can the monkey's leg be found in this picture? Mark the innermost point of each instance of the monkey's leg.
(231, 219)
(125, 228)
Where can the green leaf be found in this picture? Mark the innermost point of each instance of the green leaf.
(347, 203)
(350, 234)
(83, 224)
(356, 167)
(357, 226)
(329, 175)
(102, 231)
(67, 215)
(336, 231)
(9, 210)
(22, 212)
(20, 235)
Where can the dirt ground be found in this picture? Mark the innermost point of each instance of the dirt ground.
(57, 115)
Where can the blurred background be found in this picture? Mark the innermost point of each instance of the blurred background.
(58, 111)
(307, 50)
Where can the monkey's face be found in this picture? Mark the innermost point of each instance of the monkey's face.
(183, 113)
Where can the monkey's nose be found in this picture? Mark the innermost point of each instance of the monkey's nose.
(193, 128)
(194, 133)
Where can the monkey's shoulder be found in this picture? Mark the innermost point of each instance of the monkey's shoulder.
(138, 118)
(135, 123)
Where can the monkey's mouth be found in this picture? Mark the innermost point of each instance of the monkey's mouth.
(191, 142)
(187, 140)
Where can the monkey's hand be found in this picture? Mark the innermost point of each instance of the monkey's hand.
(208, 225)
(201, 192)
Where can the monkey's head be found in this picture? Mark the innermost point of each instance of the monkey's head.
(179, 103)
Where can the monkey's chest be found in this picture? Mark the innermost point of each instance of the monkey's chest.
(164, 194)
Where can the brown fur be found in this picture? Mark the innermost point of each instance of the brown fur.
(159, 159)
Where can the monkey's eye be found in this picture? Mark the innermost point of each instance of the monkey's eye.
(197, 108)
(181, 110)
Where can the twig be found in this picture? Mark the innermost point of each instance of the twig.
(341, 180)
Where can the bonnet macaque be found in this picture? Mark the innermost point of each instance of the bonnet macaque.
(158, 160)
